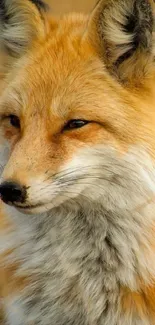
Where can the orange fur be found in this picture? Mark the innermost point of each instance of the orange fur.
(120, 115)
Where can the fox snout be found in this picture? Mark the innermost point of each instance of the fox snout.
(12, 193)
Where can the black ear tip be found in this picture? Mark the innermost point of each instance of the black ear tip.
(139, 23)
(3, 11)
(122, 33)
(40, 4)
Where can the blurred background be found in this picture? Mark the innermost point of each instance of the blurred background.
(64, 6)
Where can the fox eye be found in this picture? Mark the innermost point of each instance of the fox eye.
(14, 121)
(75, 124)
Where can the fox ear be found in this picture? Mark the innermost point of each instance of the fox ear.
(122, 32)
(21, 21)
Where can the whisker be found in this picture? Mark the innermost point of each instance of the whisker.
(67, 184)
(64, 192)
(70, 171)
(71, 181)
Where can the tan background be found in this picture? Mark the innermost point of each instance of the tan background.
(64, 6)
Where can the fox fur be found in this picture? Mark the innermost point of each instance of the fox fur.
(80, 249)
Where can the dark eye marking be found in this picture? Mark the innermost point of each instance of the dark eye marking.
(75, 124)
(14, 121)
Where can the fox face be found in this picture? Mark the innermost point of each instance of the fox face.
(77, 96)
(77, 115)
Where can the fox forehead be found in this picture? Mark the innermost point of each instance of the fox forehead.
(61, 75)
(62, 87)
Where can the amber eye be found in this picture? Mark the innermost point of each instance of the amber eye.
(75, 124)
(14, 121)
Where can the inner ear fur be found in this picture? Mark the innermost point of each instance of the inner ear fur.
(21, 22)
(122, 33)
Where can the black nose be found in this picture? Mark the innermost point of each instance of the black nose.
(11, 192)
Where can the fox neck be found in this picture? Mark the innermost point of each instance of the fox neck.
(119, 242)
(84, 245)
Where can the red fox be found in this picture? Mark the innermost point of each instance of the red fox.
(77, 125)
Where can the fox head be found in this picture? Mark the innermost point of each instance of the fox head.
(77, 102)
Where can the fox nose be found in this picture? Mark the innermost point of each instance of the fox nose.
(11, 192)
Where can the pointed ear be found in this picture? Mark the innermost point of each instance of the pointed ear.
(21, 21)
(122, 32)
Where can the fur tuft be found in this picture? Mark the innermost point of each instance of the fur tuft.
(124, 30)
(20, 24)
